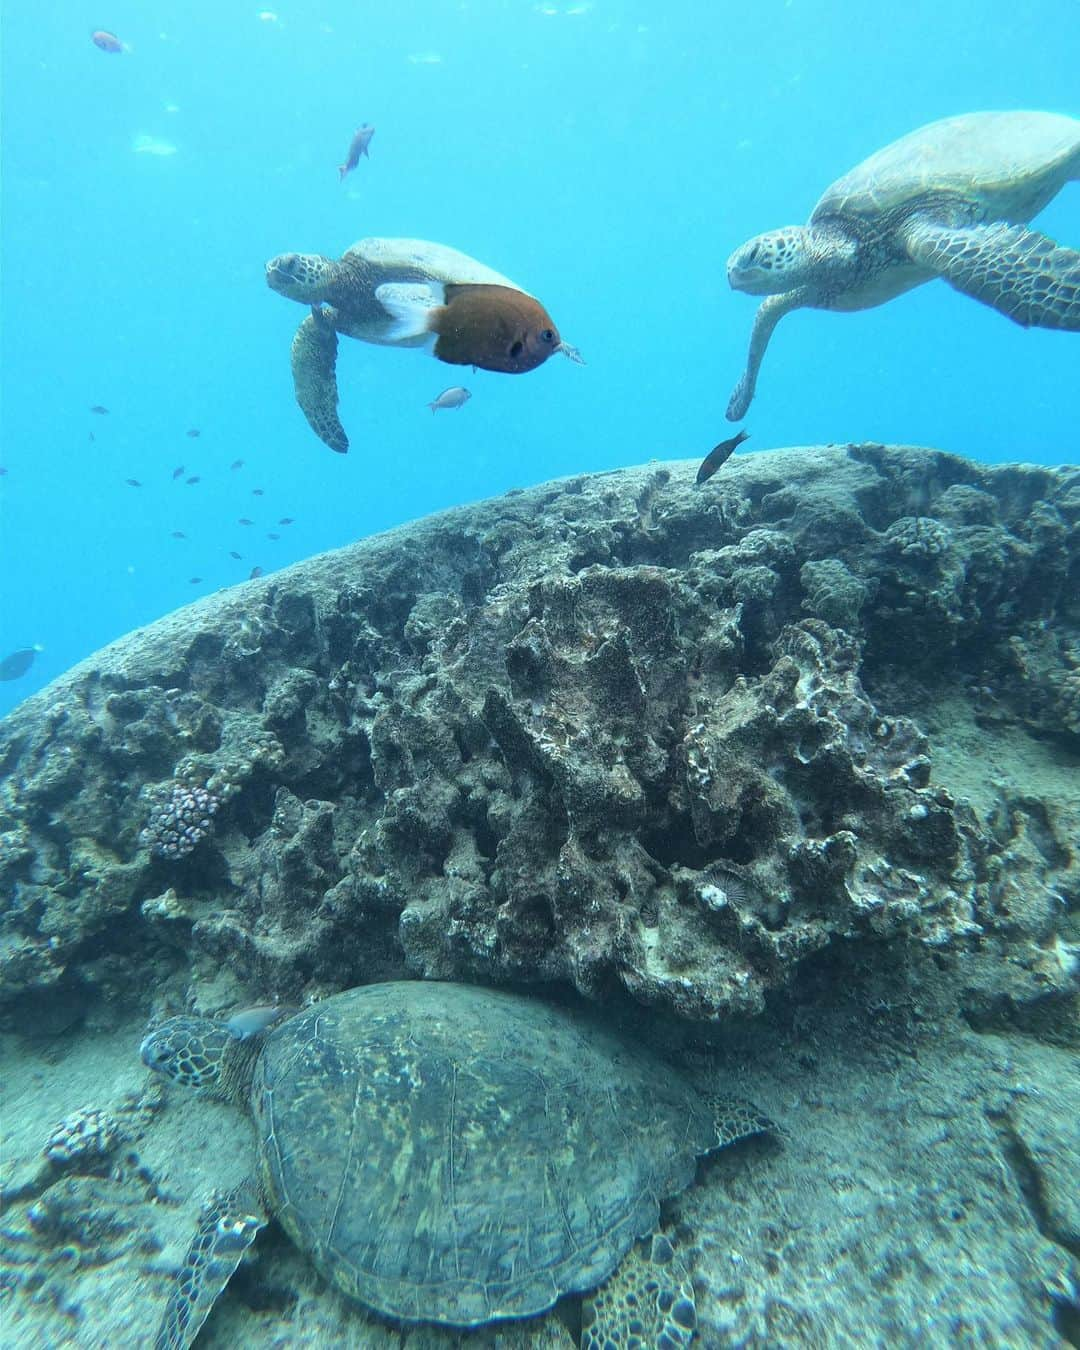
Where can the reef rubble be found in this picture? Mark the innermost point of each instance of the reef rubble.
(794, 749)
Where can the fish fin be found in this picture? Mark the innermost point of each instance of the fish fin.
(411, 304)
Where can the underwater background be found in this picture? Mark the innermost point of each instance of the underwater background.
(606, 155)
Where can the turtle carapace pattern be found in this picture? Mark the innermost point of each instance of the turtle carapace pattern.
(454, 1155)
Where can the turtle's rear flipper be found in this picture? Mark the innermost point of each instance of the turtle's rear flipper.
(227, 1227)
(1021, 273)
(314, 368)
(648, 1302)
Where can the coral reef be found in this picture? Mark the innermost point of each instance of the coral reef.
(614, 731)
(782, 770)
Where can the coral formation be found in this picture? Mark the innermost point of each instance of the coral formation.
(615, 731)
(180, 817)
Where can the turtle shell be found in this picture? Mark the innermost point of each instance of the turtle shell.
(423, 260)
(455, 1155)
(1009, 163)
(371, 263)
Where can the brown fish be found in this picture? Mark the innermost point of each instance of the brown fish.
(178, 534)
(194, 581)
(286, 520)
(272, 535)
(244, 521)
(357, 146)
(178, 472)
(255, 572)
(101, 412)
(233, 554)
(193, 432)
(237, 464)
(193, 479)
(257, 492)
(718, 455)
(491, 327)
(132, 482)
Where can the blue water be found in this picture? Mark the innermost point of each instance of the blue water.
(607, 156)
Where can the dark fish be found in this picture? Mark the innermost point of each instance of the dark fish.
(485, 326)
(18, 663)
(718, 455)
(193, 432)
(237, 464)
(244, 521)
(257, 492)
(233, 554)
(194, 581)
(178, 534)
(132, 482)
(357, 146)
(101, 412)
(255, 572)
(193, 479)
(272, 535)
(105, 41)
(178, 472)
(286, 520)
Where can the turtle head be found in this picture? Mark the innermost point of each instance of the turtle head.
(300, 276)
(201, 1054)
(779, 260)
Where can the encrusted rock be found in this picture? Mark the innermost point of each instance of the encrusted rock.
(614, 731)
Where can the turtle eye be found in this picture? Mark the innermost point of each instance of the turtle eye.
(548, 335)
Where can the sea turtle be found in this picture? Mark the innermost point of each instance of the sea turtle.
(384, 291)
(949, 200)
(453, 1155)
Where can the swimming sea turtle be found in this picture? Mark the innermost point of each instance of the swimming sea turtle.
(453, 1155)
(393, 292)
(949, 200)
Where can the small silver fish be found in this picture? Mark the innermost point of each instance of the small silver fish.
(250, 1021)
(357, 146)
(455, 397)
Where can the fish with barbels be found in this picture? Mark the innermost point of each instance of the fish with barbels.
(357, 146)
(455, 397)
(406, 293)
(719, 454)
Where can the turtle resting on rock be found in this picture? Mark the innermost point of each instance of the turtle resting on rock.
(405, 293)
(453, 1155)
(950, 200)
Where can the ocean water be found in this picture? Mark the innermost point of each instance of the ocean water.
(606, 154)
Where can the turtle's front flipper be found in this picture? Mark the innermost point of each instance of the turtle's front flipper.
(648, 1302)
(227, 1227)
(1021, 273)
(769, 314)
(314, 368)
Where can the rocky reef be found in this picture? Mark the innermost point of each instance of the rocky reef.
(613, 731)
(798, 746)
